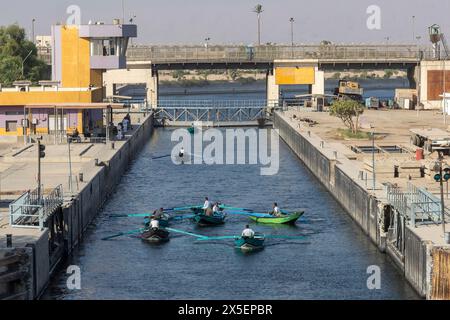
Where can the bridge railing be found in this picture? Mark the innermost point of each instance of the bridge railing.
(269, 53)
(191, 111)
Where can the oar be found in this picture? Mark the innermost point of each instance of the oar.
(183, 208)
(136, 215)
(233, 208)
(284, 237)
(218, 238)
(250, 214)
(123, 234)
(186, 233)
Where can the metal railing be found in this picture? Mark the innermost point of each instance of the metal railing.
(416, 205)
(31, 211)
(220, 110)
(269, 53)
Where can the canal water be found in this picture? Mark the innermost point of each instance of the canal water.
(330, 262)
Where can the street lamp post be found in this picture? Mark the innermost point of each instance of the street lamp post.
(32, 30)
(413, 27)
(292, 20)
(373, 161)
(440, 177)
(207, 45)
(70, 166)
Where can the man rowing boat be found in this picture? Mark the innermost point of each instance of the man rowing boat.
(216, 208)
(207, 204)
(276, 210)
(248, 233)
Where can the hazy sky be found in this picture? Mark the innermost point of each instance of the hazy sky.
(232, 21)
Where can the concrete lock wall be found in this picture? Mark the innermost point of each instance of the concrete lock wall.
(334, 172)
(362, 206)
(78, 213)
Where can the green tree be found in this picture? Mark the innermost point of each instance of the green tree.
(14, 48)
(388, 73)
(234, 74)
(349, 112)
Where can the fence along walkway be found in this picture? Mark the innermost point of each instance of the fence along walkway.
(31, 211)
(269, 53)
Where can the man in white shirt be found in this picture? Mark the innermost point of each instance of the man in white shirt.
(248, 233)
(154, 224)
(207, 204)
(276, 210)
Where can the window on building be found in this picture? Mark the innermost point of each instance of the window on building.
(11, 126)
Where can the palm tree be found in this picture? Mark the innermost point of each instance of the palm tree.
(258, 10)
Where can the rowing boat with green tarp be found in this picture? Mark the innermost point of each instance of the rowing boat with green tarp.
(250, 244)
(283, 219)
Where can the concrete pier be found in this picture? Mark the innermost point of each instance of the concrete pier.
(423, 256)
(26, 266)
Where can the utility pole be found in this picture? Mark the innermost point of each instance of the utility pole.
(292, 20)
(41, 154)
(70, 166)
(373, 161)
(32, 30)
(440, 177)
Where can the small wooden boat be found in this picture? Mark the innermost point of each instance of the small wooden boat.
(285, 219)
(155, 236)
(204, 220)
(250, 244)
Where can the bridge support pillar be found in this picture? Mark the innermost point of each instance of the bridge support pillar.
(319, 83)
(273, 90)
(413, 74)
(153, 89)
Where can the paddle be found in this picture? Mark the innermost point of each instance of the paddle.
(250, 214)
(284, 237)
(237, 237)
(233, 208)
(218, 238)
(139, 215)
(186, 233)
(122, 234)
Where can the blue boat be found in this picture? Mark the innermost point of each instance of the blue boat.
(204, 220)
(250, 244)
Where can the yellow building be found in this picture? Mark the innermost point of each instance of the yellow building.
(74, 98)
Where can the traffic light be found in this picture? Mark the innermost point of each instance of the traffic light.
(447, 174)
(446, 177)
(41, 151)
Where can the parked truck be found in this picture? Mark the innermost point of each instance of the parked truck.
(432, 139)
(349, 89)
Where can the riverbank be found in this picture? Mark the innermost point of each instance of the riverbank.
(417, 249)
(28, 263)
